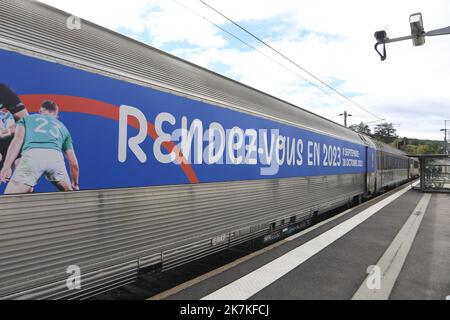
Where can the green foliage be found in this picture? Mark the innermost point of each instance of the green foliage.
(361, 128)
(385, 132)
(417, 146)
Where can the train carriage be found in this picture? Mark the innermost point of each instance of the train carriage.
(176, 161)
(392, 166)
(414, 170)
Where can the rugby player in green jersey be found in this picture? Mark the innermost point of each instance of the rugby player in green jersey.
(41, 139)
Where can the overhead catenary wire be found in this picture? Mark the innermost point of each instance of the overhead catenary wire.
(253, 47)
(239, 39)
(290, 60)
(374, 121)
(259, 51)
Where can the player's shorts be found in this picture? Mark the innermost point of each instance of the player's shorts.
(38, 162)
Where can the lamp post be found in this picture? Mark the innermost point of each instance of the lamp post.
(445, 137)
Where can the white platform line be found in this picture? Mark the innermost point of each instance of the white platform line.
(187, 284)
(391, 263)
(318, 225)
(257, 280)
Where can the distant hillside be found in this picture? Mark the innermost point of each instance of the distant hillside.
(385, 132)
(418, 146)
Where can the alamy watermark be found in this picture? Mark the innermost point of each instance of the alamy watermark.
(73, 282)
(373, 281)
(73, 23)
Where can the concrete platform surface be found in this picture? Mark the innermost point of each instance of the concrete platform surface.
(335, 259)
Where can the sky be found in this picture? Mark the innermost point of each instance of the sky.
(333, 40)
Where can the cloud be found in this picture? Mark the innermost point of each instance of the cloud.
(110, 14)
(332, 39)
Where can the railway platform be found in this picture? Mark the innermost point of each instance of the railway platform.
(395, 246)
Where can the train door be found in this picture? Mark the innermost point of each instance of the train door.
(366, 174)
(379, 170)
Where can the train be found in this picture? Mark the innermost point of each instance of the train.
(176, 162)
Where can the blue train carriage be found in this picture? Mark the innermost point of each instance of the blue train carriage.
(176, 162)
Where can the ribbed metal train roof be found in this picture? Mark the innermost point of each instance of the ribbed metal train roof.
(40, 29)
(387, 148)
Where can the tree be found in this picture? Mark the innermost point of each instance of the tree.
(399, 143)
(361, 128)
(385, 132)
(410, 149)
(435, 148)
(423, 149)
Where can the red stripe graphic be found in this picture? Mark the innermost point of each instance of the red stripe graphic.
(106, 110)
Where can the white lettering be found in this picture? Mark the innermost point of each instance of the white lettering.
(214, 151)
(133, 142)
(163, 137)
(187, 136)
(251, 157)
(232, 146)
(300, 152)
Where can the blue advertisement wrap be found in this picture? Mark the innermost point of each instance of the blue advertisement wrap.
(127, 135)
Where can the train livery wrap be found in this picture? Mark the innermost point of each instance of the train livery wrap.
(127, 135)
